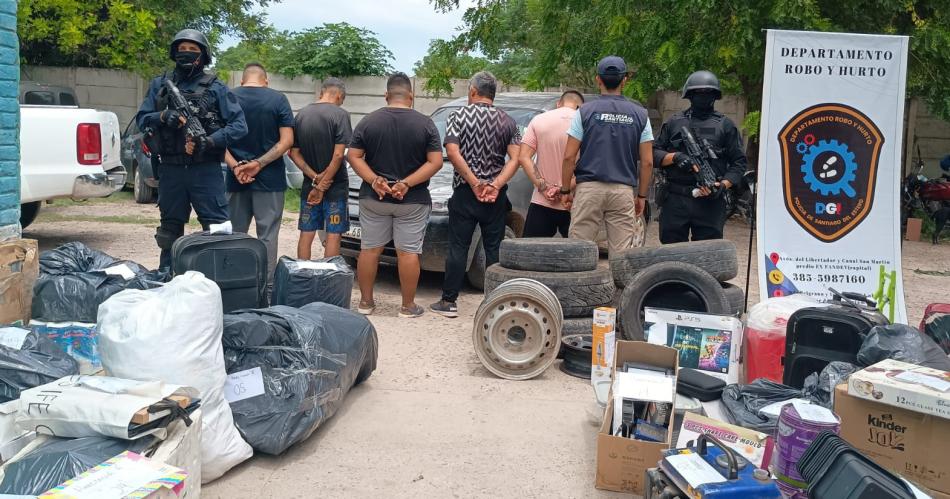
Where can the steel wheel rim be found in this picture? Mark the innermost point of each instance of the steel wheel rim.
(641, 238)
(517, 330)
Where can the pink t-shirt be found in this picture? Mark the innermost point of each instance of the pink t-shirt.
(547, 134)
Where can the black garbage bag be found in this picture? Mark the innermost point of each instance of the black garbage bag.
(309, 359)
(73, 283)
(38, 361)
(299, 282)
(904, 343)
(743, 403)
(820, 388)
(62, 459)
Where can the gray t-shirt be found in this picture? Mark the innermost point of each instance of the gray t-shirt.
(318, 128)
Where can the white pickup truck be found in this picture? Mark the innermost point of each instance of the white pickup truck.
(65, 151)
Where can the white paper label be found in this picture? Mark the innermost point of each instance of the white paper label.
(13, 337)
(119, 480)
(318, 265)
(694, 469)
(775, 408)
(924, 379)
(244, 385)
(222, 228)
(122, 270)
(814, 413)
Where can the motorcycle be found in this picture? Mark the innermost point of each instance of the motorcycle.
(932, 196)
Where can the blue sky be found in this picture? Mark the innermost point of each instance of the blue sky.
(403, 26)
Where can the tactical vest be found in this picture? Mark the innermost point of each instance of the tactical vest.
(710, 128)
(610, 149)
(171, 141)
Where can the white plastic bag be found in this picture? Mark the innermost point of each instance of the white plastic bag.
(92, 406)
(173, 333)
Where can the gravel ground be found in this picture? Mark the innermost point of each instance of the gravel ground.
(431, 421)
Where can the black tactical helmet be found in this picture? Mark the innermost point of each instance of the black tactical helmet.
(702, 79)
(191, 35)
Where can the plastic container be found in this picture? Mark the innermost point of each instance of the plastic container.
(765, 335)
(796, 432)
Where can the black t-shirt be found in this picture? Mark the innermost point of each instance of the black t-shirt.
(266, 111)
(396, 141)
(319, 128)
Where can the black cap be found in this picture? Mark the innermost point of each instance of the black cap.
(611, 66)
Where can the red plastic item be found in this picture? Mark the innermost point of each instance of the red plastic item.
(764, 339)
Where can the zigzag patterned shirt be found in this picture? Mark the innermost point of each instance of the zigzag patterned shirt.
(483, 133)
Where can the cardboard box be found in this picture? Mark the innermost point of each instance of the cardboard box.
(19, 267)
(603, 343)
(756, 447)
(622, 462)
(904, 385)
(911, 444)
(913, 229)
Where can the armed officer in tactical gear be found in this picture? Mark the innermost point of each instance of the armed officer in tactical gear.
(189, 167)
(685, 207)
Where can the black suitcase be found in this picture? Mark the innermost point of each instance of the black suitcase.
(237, 263)
(816, 336)
(699, 385)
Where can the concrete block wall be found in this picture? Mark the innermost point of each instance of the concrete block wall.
(9, 123)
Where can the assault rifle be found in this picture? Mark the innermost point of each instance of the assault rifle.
(701, 153)
(193, 128)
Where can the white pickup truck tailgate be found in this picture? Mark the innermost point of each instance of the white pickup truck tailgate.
(49, 167)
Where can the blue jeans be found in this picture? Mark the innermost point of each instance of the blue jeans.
(182, 188)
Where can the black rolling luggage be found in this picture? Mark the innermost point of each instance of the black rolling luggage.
(816, 336)
(237, 263)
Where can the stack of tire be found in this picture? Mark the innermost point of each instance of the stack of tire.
(567, 266)
(689, 276)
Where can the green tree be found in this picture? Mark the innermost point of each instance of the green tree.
(444, 62)
(262, 51)
(125, 34)
(332, 50)
(666, 40)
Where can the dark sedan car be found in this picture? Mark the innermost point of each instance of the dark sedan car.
(521, 107)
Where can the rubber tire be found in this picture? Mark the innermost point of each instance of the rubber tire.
(715, 256)
(476, 271)
(577, 325)
(735, 296)
(644, 284)
(142, 192)
(579, 292)
(545, 254)
(28, 213)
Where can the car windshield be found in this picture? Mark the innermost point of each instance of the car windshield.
(522, 117)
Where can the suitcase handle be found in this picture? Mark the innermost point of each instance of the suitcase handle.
(848, 297)
(706, 439)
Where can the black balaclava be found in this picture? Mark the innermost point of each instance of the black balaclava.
(702, 103)
(187, 64)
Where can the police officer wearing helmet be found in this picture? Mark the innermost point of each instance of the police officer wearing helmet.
(189, 169)
(703, 213)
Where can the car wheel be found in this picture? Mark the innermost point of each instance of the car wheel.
(672, 286)
(28, 213)
(476, 271)
(735, 296)
(143, 193)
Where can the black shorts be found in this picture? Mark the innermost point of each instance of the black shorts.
(546, 222)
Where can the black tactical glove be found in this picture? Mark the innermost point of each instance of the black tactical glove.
(203, 144)
(683, 162)
(171, 118)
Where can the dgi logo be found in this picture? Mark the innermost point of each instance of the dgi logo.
(830, 155)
